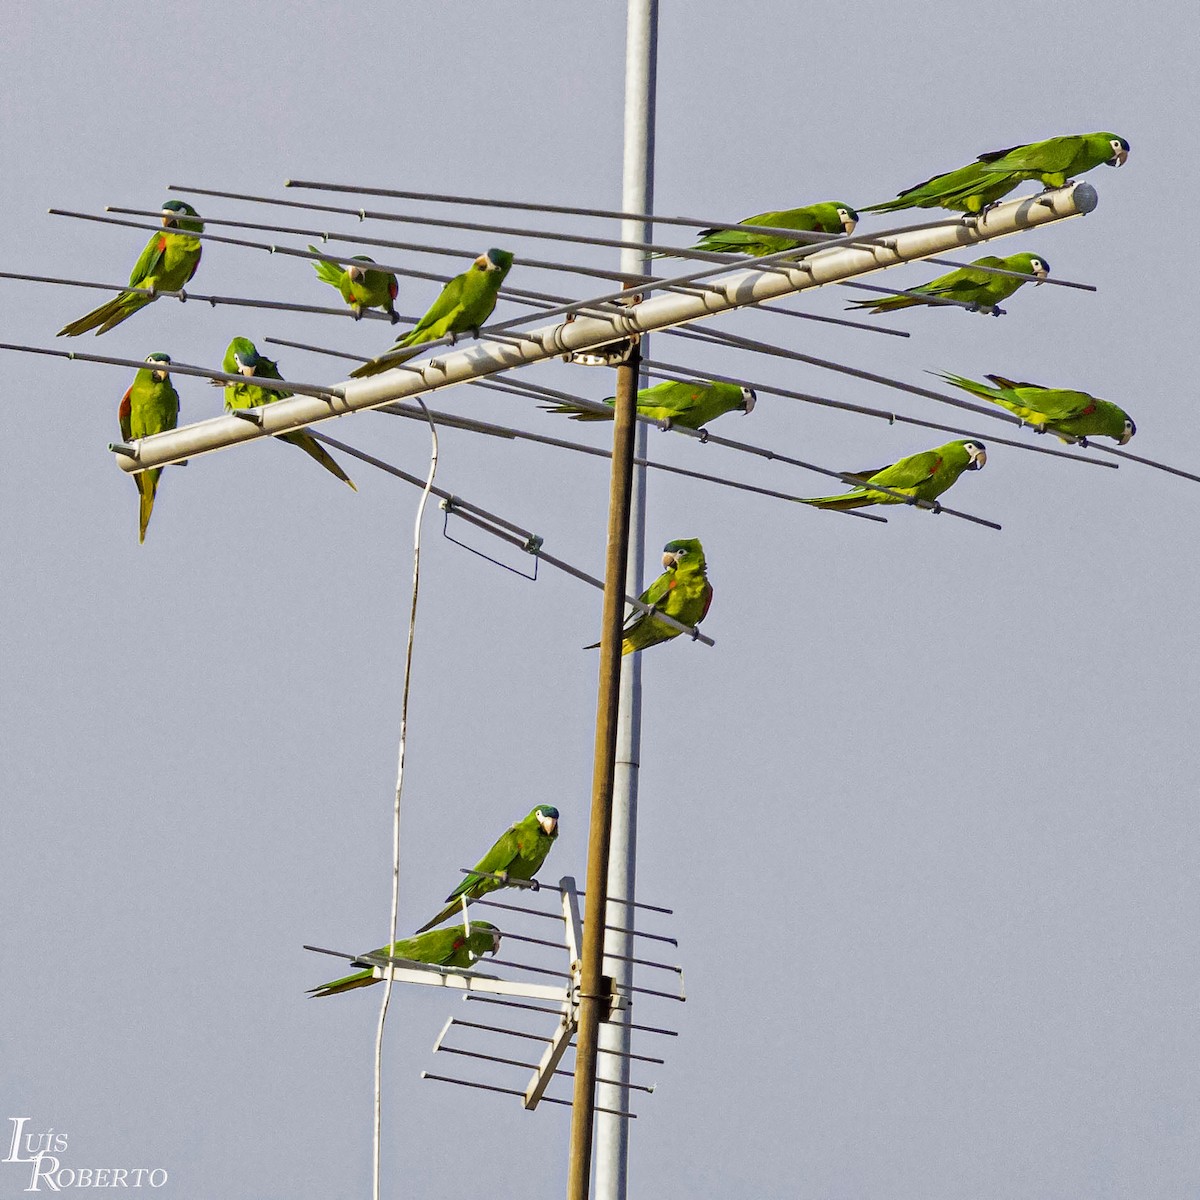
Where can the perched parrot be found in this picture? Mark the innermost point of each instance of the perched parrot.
(1075, 414)
(682, 591)
(979, 184)
(977, 288)
(690, 403)
(241, 358)
(169, 260)
(449, 947)
(149, 406)
(926, 476)
(831, 217)
(518, 854)
(361, 287)
(465, 304)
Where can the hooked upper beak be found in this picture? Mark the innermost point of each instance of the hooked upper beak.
(1119, 157)
(159, 374)
(978, 459)
(670, 559)
(168, 218)
(245, 368)
(1127, 434)
(1041, 273)
(484, 263)
(355, 273)
(849, 224)
(749, 399)
(549, 824)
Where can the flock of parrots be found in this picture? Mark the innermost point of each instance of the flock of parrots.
(151, 405)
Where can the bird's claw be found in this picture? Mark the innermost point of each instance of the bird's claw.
(664, 424)
(393, 316)
(534, 886)
(703, 436)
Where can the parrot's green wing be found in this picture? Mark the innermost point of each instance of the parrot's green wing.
(1053, 155)
(440, 310)
(498, 859)
(908, 472)
(149, 262)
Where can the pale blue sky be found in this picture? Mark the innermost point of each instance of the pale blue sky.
(926, 811)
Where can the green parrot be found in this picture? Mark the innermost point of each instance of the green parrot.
(149, 406)
(169, 260)
(689, 403)
(465, 304)
(241, 358)
(449, 947)
(682, 591)
(1075, 414)
(361, 287)
(926, 476)
(980, 184)
(831, 217)
(518, 854)
(978, 288)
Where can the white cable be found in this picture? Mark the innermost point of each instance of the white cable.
(412, 621)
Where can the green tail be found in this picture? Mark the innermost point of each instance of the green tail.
(362, 979)
(455, 906)
(884, 304)
(577, 414)
(314, 449)
(847, 501)
(147, 485)
(111, 312)
(970, 385)
(327, 271)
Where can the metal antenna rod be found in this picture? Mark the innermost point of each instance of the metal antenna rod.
(480, 358)
(704, 436)
(200, 298)
(665, 370)
(502, 431)
(522, 538)
(610, 213)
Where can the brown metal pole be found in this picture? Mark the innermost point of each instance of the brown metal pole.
(579, 1163)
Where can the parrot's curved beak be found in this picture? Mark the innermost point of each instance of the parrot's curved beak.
(247, 367)
(549, 824)
(749, 399)
(978, 458)
(849, 224)
(483, 263)
(670, 560)
(1120, 155)
(169, 218)
(1129, 431)
(1041, 273)
(159, 374)
(355, 273)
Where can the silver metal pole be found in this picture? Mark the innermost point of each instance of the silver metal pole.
(637, 195)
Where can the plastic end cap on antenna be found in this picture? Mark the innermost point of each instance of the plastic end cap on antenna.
(1085, 197)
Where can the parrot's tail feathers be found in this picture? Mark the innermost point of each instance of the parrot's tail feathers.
(327, 272)
(593, 646)
(147, 485)
(391, 358)
(315, 450)
(111, 312)
(362, 979)
(577, 414)
(841, 503)
(450, 909)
